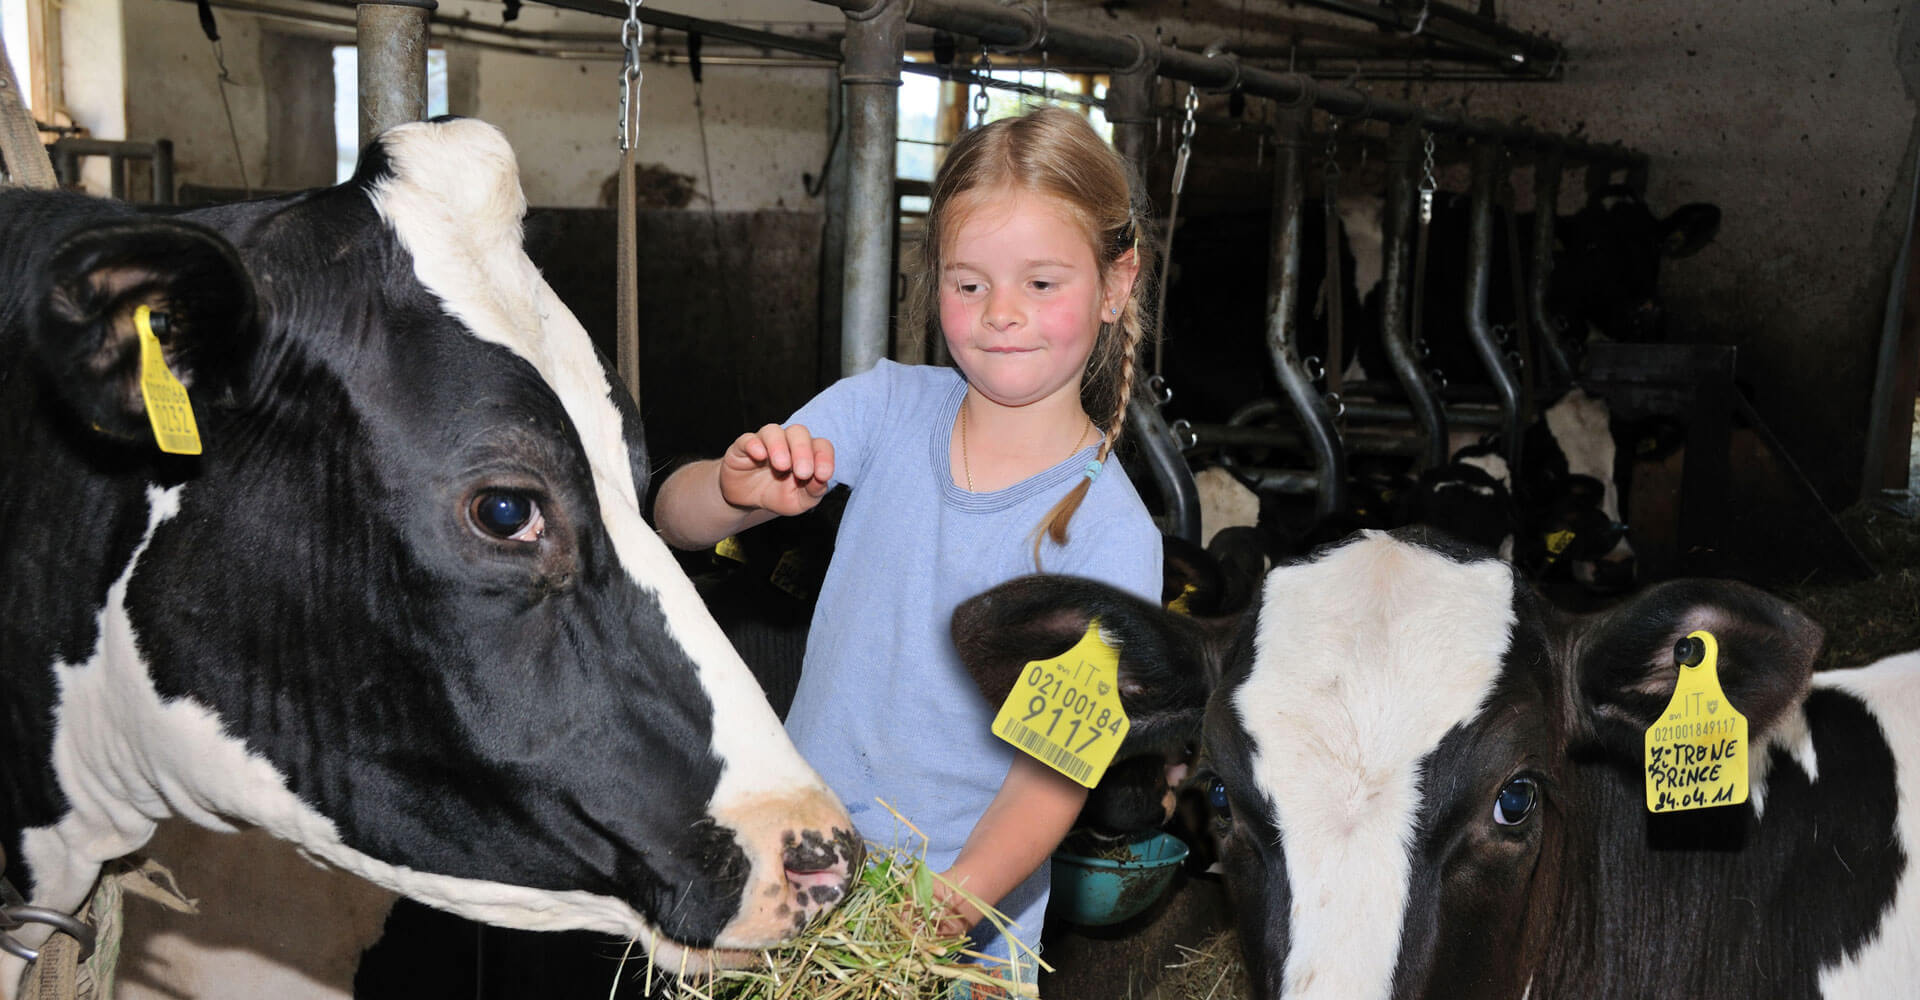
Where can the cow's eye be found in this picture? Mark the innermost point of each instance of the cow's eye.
(513, 516)
(1515, 802)
(1217, 798)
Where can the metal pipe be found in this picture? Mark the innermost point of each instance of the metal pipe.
(1546, 202)
(1130, 109)
(1363, 441)
(1278, 480)
(1507, 51)
(1396, 225)
(875, 45)
(1017, 27)
(654, 17)
(393, 43)
(1486, 163)
(1283, 295)
(163, 171)
(1169, 468)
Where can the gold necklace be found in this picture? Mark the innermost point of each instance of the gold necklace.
(966, 467)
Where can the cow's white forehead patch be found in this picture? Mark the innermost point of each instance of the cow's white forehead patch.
(455, 202)
(1363, 661)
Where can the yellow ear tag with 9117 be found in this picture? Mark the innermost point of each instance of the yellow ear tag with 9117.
(167, 407)
(1065, 712)
(1697, 748)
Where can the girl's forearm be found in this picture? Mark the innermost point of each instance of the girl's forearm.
(1032, 813)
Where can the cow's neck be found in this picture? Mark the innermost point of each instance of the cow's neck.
(1728, 902)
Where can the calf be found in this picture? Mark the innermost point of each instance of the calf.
(1433, 783)
(403, 612)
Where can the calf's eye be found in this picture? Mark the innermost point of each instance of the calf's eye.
(513, 516)
(1217, 798)
(1515, 802)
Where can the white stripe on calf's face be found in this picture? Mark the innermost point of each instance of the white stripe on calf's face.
(1363, 661)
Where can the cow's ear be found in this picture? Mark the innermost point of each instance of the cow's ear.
(95, 281)
(1166, 663)
(1624, 669)
(1689, 228)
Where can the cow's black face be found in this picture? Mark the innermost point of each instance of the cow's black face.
(404, 611)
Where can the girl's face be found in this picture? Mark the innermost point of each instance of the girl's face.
(1020, 297)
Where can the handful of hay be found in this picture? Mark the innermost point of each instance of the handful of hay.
(881, 943)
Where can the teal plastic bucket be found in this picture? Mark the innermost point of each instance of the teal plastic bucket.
(1094, 892)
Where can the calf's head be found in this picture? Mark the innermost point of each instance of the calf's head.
(403, 611)
(1406, 738)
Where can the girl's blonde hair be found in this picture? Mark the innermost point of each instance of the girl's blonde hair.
(1055, 152)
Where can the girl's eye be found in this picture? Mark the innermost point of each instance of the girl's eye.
(512, 516)
(1042, 285)
(1515, 802)
(969, 288)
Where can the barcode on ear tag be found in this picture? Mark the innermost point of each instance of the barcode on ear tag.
(168, 409)
(1065, 712)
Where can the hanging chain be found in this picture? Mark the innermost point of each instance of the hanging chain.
(1427, 185)
(1186, 142)
(1332, 168)
(982, 72)
(630, 40)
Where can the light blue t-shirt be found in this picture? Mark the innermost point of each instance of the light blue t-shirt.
(884, 709)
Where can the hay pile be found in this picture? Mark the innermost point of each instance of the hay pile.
(1212, 971)
(879, 944)
(1868, 619)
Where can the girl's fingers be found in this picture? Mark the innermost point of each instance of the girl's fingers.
(822, 467)
(773, 438)
(799, 444)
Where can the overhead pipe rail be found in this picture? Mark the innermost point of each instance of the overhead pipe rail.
(1021, 28)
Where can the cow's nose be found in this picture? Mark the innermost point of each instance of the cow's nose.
(820, 868)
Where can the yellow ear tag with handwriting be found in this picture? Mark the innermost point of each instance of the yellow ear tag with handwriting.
(1697, 748)
(167, 407)
(1065, 712)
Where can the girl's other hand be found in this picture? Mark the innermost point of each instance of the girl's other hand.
(785, 470)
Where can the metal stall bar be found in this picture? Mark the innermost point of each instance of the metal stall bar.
(1546, 200)
(1474, 34)
(393, 44)
(1283, 295)
(67, 153)
(1015, 27)
(874, 48)
(1396, 226)
(1487, 162)
(655, 18)
(1130, 109)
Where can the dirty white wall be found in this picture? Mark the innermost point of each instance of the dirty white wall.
(764, 126)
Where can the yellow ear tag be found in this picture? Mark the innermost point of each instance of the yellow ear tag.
(167, 407)
(1697, 749)
(1182, 605)
(1065, 712)
(730, 548)
(1558, 541)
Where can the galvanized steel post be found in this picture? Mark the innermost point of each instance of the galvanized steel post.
(393, 46)
(871, 56)
(1283, 295)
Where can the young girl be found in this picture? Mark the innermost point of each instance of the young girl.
(961, 480)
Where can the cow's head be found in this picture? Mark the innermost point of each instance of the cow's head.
(1607, 270)
(1404, 735)
(403, 611)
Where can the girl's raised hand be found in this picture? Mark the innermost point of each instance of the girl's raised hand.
(785, 470)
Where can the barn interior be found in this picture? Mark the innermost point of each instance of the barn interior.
(1781, 441)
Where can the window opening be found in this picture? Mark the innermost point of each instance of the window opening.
(13, 25)
(346, 101)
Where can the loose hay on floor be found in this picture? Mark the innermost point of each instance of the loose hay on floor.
(1212, 971)
(879, 944)
(1866, 620)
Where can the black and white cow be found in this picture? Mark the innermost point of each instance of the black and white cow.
(404, 611)
(1435, 786)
